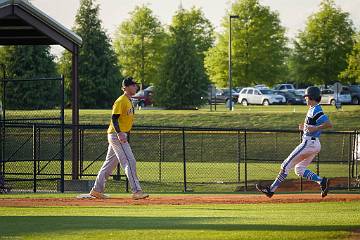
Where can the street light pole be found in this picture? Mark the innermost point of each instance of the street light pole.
(230, 74)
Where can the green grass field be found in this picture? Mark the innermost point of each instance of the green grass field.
(325, 220)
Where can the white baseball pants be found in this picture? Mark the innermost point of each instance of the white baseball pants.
(301, 156)
(118, 153)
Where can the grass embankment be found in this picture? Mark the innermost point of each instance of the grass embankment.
(263, 117)
(271, 117)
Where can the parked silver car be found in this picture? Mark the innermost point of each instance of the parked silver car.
(328, 96)
(300, 92)
(284, 87)
(265, 97)
(354, 91)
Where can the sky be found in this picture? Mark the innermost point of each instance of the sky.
(293, 13)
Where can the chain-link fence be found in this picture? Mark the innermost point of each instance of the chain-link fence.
(36, 100)
(177, 159)
(33, 157)
(221, 160)
(32, 134)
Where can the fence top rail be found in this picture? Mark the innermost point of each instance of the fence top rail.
(29, 119)
(30, 125)
(166, 128)
(31, 79)
(230, 129)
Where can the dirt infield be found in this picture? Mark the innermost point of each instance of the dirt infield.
(178, 200)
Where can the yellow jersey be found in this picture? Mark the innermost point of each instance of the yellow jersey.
(125, 108)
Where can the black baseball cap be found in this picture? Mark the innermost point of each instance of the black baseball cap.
(128, 82)
(312, 92)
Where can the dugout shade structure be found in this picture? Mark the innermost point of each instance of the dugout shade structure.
(21, 23)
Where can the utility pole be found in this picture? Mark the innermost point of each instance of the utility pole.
(230, 68)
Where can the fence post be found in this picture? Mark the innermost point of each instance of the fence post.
(349, 160)
(81, 151)
(184, 158)
(62, 137)
(3, 131)
(355, 154)
(2, 139)
(245, 159)
(352, 152)
(201, 146)
(301, 180)
(34, 157)
(160, 154)
(62, 156)
(2, 154)
(238, 156)
(38, 135)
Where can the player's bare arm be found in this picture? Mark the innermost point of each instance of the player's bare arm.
(325, 125)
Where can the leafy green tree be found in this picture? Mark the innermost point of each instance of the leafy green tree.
(321, 49)
(99, 74)
(139, 45)
(30, 62)
(352, 72)
(64, 68)
(183, 79)
(199, 27)
(258, 46)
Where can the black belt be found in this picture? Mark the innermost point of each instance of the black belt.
(313, 138)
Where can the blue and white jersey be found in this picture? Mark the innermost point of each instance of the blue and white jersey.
(314, 117)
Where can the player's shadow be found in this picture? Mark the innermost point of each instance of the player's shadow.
(18, 225)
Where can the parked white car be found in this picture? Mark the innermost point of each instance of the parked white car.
(261, 86)
(328, 96)
(265, 97)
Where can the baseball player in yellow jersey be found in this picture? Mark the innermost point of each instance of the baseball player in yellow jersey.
(119, 149)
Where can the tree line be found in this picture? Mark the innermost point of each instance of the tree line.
(182, 59)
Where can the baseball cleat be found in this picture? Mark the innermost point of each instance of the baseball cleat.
(264, 190)
(97, 194)
(324, 186)
(139, 195)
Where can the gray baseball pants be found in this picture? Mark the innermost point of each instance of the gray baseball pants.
(118, 153)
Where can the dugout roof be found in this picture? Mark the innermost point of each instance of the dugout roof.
(21, 23)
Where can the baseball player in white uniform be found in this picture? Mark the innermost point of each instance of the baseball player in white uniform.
(119, 149)
(305, 152)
